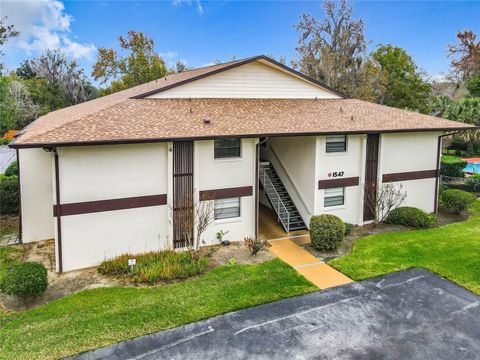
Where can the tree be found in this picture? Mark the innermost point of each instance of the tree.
(473, 86)
(6, 32)
(25, 71)
(142, 64)
(180, 66)
(7, 106)
(406, 89)
(332, 50)
(466, 110)
(25, 109)
(465, 56)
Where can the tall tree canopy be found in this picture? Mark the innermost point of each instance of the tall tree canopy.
(405, 87)
(6, 32)
(142, 64)
(331, 50)
(465, 56)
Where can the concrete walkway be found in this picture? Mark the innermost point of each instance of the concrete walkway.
(317, 272)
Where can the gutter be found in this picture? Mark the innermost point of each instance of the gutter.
(14, 145)
(439, 153)
(19, 199)
(257, 203)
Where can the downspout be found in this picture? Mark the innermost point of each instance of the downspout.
(58, 210)
(257, 168)
(19, 200)
(439, 154)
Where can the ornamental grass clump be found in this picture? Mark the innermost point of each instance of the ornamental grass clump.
(155, 266)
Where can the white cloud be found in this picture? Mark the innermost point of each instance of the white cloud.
(169, 55)
(197, 3)
(43, 24)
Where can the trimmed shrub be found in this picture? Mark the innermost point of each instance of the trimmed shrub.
(24, 279)
(474, 181)
(411, 216)
(326, 231)
(452, 166)
(457, 200)
(155, 266)
(8, 194)
(12, 169)
(348, 228)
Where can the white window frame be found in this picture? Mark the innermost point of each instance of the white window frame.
(333, 190)
(222, 202)
(329, 138)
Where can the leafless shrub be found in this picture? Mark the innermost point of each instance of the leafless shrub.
(389, 197)
(255, 244)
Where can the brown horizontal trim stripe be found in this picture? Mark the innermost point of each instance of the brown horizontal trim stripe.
(226, 193)
(339, 182)
(88, 207)
(410, 175)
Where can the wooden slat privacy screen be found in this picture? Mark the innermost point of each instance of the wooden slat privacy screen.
(182, 192)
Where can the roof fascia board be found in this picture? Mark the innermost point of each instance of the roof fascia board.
(245, 136)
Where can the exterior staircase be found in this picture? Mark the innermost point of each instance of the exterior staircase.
(279, 198)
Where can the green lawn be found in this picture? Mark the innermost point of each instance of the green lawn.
(452, 251)
(8, 255)
(100, 317)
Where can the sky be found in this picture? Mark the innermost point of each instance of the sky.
(202, 32)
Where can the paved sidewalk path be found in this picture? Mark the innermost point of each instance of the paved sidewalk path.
(317, 272)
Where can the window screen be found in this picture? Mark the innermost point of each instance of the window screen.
(336, 143)
(334, 197)
(227, 208)
(227, 148)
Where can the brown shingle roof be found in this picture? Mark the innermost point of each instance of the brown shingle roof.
(135, 120)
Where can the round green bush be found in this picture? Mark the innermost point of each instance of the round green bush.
(452, 166)
(24, 279)
(348, 228)
(410, 216)
(474, 181)
(457, 200)
(12, 169)
(326, 231)
(8, 194)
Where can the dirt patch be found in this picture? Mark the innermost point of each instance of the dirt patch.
(237, 250)
(59, 285)
(8, 229)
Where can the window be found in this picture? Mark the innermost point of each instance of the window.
(227, 148)
(334, 197)
(227, 208)
(336, 143)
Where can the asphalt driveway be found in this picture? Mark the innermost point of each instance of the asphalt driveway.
(412, 314)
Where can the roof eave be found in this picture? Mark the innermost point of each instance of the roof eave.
(15, 145)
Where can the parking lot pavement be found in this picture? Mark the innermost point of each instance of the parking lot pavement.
(413, 314)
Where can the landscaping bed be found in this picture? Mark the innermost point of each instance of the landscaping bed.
(99, 317)
(444, 217)
(450, 251)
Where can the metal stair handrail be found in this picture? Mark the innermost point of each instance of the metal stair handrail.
(272, 194)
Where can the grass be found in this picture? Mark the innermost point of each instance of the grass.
(451, 251)
(155, 266)
(100, 317)
(449, 159)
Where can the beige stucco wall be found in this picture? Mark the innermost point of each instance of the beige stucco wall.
(253, 80)
(351, 162)
(411, 152)
(211, 173)
(112, 172)
(36, 194)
